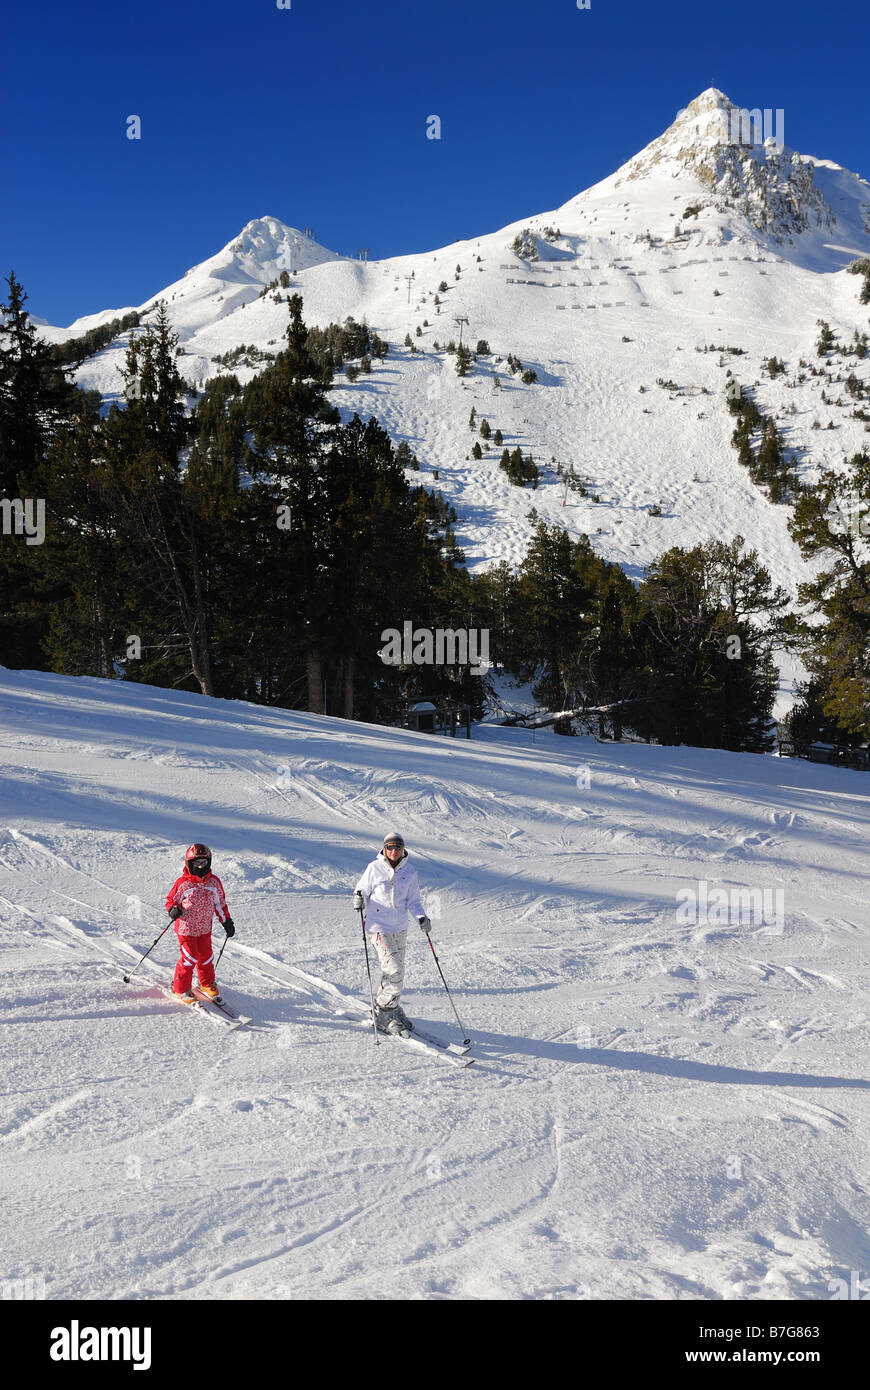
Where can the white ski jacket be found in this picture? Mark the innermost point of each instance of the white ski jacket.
(390, 894)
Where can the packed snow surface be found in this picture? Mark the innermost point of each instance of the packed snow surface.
(660, 1107)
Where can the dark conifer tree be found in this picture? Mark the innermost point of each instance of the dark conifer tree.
(156, 513)
(709, 677)
(293, 424)
(35, 395)
(35, 400)
(831, 523)
(553, 602)
(83, 573)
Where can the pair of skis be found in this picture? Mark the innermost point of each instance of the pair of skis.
(421, 1041)
(221, 1012)
(214, 1009)
(451, 1052)
(224, 1015)
(217, 1011)
(457, 1053)
(344, 1006)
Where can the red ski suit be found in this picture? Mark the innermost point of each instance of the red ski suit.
(200, 899)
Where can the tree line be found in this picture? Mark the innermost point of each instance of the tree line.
(246, 543)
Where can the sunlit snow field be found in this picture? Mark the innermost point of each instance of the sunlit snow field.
(659, 1107)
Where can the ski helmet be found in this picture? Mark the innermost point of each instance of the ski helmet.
(394, 839)
(197, 860)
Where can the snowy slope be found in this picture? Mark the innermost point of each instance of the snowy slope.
(659, 1109)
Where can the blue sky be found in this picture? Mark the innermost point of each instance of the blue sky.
(317, 115)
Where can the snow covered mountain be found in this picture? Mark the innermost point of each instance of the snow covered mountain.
(815, 213)
(701, 241)
(660, 955)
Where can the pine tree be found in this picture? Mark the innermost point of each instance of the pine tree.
(35, 395)
(35, 401)
(553, 598)
(293, 424)
(287, 405)
(831, 523)
(156, 510)
(380, 559)
(463, 360)
(83, 573)
(709, 677)
(611, 663)
(219, 451)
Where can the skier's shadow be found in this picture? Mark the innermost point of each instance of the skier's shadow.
(494, 1047)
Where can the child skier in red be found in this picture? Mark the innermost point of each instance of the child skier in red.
(191, 902)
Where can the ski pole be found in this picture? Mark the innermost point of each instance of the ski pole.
(220, 953)
(369, 970)
(147, 953)
(466, 1042)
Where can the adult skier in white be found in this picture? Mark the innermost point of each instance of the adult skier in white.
(387, 892)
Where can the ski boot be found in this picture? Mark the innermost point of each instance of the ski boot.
(211, 992)
(392, 1020)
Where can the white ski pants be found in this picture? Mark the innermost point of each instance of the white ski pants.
(390, 947)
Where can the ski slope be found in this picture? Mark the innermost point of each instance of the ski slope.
(659, 1108)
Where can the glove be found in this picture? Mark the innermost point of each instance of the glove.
(174, 911)
(358, 902)
(229, 927)
(425, 924)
